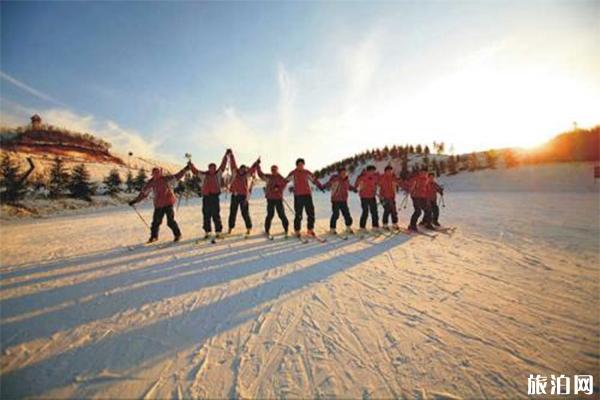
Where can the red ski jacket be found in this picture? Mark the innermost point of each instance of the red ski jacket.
(300, 179)
(275, 184)
(366, 184)
(419, 186)
(433, 190)
(388, 186)
(161, 190)
(240, 183)
(211, 182)
(339, 188)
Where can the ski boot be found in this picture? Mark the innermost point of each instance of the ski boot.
(386, 227)
(349, 231)
(177, 238)
(152, 240)
(435, 223)
(395, 228)
(219, 235)
(229, 231)
(332, 232)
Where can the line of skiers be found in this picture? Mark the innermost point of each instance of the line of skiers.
(371, 186)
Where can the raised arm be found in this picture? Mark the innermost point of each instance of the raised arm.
(260, 172)
(233, 164)
(254, 166)
(224, 161)
(181, 173)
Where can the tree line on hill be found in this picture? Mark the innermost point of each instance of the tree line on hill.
(574, 145)
(422, 157)
(50, 134)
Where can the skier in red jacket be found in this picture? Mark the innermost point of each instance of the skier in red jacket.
(388, 186)
(340, 185)
(433, 189)
(240, 192)
(366, 184)
(301, 179)
(212, 180)
(419, 192)
(274, 194)
(164, 199)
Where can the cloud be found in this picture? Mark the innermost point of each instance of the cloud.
(287, 96)
(25, 87)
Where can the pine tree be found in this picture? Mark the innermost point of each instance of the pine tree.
(130, 183)
(140, 179)
(79, 184)
(59, 179)
(419, 149)
(13, 187)
(426, 150)
(113, 182)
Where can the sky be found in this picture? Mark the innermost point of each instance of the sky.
(319, 80)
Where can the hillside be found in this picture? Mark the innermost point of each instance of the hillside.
(579, 145)
(43, 143)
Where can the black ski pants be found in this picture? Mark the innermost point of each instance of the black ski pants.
(389, 209)
(369, 205)
(301, 203)
(272, 206)
(239, 201)
(336, 208)
(211, 212)
(157, 219)
(421, 205)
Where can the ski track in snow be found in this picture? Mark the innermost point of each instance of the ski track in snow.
(514, 291)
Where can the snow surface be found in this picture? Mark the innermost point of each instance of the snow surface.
(515, 291)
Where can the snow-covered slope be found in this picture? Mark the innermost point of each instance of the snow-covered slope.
(511, 293)
(557, 177)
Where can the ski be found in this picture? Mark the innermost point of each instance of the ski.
(302, 238)
(448, 230)
(317, 238)
(154, 245)
(409, 232)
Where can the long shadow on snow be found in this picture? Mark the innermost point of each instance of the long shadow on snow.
(92, 257)
(134, 349)
(127, 257)
(190, 277)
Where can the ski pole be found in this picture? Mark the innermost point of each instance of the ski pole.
(140, 215)
(442, 201)
(404, 202)
(288, 206)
